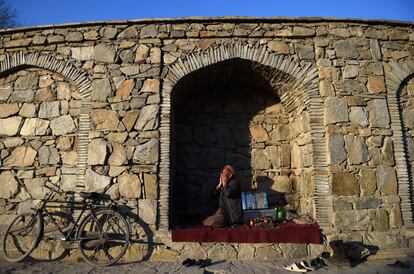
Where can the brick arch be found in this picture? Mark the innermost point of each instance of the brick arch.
(300, 90)
(79, 77)
(396, 75)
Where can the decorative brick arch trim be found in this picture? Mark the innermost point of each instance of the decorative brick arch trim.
(82, 83)
(396, 74)
(303, 78)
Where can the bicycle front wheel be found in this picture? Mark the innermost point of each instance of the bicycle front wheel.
(22, 236)
(103, 237)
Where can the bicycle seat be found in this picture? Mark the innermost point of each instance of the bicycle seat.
(90, 195)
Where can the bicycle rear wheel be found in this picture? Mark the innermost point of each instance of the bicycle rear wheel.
(103, 237)
(22, 236)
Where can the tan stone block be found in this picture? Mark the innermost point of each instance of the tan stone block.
(21, 156)
(69, 158)
(367, 181)
(130, 118)
(7, 110)
(64, 143)
(278, 47)
(395, 217)
(326, 88)
(376, 84)
(155, 55)
(64, 91)
(325, 73)
(164, 255)
(141, 53)
(118, 155)
(125, 88)
(344, 184)
(129, 185)
(204, 44)
(151, 190)
(258, 133)
(103, 119)
(151, 85)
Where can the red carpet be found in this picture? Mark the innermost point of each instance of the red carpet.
(283, 233)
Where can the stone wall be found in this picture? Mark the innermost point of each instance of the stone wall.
(91, 106)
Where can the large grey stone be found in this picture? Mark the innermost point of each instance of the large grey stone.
(386, 180)
(294, 251)
(97, 152)
(341, 204)
(21, 156)
(378, 113)
(351, 85)
(48, 156)
(346, 49)
(10, 126)
(62, 125)
(130, 70)
(336, 110)
(388, 152)
(101, 89)
(68, 182)
(222, 252)
(19, 96)
(147, 211)
(129, 185)
(259, 160)
(36, 188)
(146, 153)
(49, 109)
(336, 148)
(9, 185)
(358, 116)
(148, 118)
(268, 252)
(105, 53)
(130, 32)
(375, 49)
(28, 81)
(408, 115)
(357, 149)
(96, 182)
(305, 52)
(149, 31)
(353, 220)
(273, 154)
(82, 53)
(34, 127)
(367, 202)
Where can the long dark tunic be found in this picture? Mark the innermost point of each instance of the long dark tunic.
(230, 201)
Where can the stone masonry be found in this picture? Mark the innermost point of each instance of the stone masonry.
(319, 112)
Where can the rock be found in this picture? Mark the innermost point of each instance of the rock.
(34, 127)
(104, 119)
(36, 187)
(367, 202)
(282, 184)
(388, 152)
(386, 180)
(326, 88)
(350, 71)
(147, 211)
(303, 32)
(148, 118)
(130, 32)
(340, 204)
(141, 53)
(381, 220)
(10, 126)
(164, 255)
(395, 217)
(280, 133)
(376, 84)
(118, 156)
(375, 49)
(96, 182)
(12, 142)
(305, 52)
(70, 158)
(28, 110)
(114, 171)
(150, 182)
(344, 184)
(130, 118)
(83, 53)
(49, 109)
(68, 183)
(19, 96)
(279, 47)
(151, 85)
(7, 110)
(336, 110)
(109, 32)
(101, 89)
(27, 82)
(259, 160)
(5, 91)
(44, 95)
(130, 70)
(117, 137)
(149, 31)
(62, 125)
(64, 91)
(222, 252)
(246, 252)
(357, 149)
(105, 53)
(9, 185)
(258, 133)
(21, 156)
(155, 55)
(147, 153)
(129, 186)
(336, 148)
(408, 115)
(352, 220)
(346, 49)
(97, 152)
(125, 88)
(64, 143)
(267, 253)
(377, 116)
(358, 116)
(48, 155)
(294, 251)
(75, 36)
(273, 154)
(367, 181)
(351, 85)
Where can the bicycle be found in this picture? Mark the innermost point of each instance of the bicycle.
(103, 235)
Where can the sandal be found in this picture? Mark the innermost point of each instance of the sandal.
(188, 262)
(306, 265)
(295, 268)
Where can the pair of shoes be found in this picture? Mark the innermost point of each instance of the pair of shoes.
(302, 266)
(200, 263)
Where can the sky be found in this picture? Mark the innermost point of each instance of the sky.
(45, 12)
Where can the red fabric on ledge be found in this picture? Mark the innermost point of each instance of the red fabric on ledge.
(287, 232)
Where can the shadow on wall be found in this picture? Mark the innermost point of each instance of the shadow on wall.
(214, 112)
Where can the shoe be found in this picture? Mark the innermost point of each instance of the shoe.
(295, 267)
(188, 262)
(317, 263)
(204, 263)
(306, 265)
